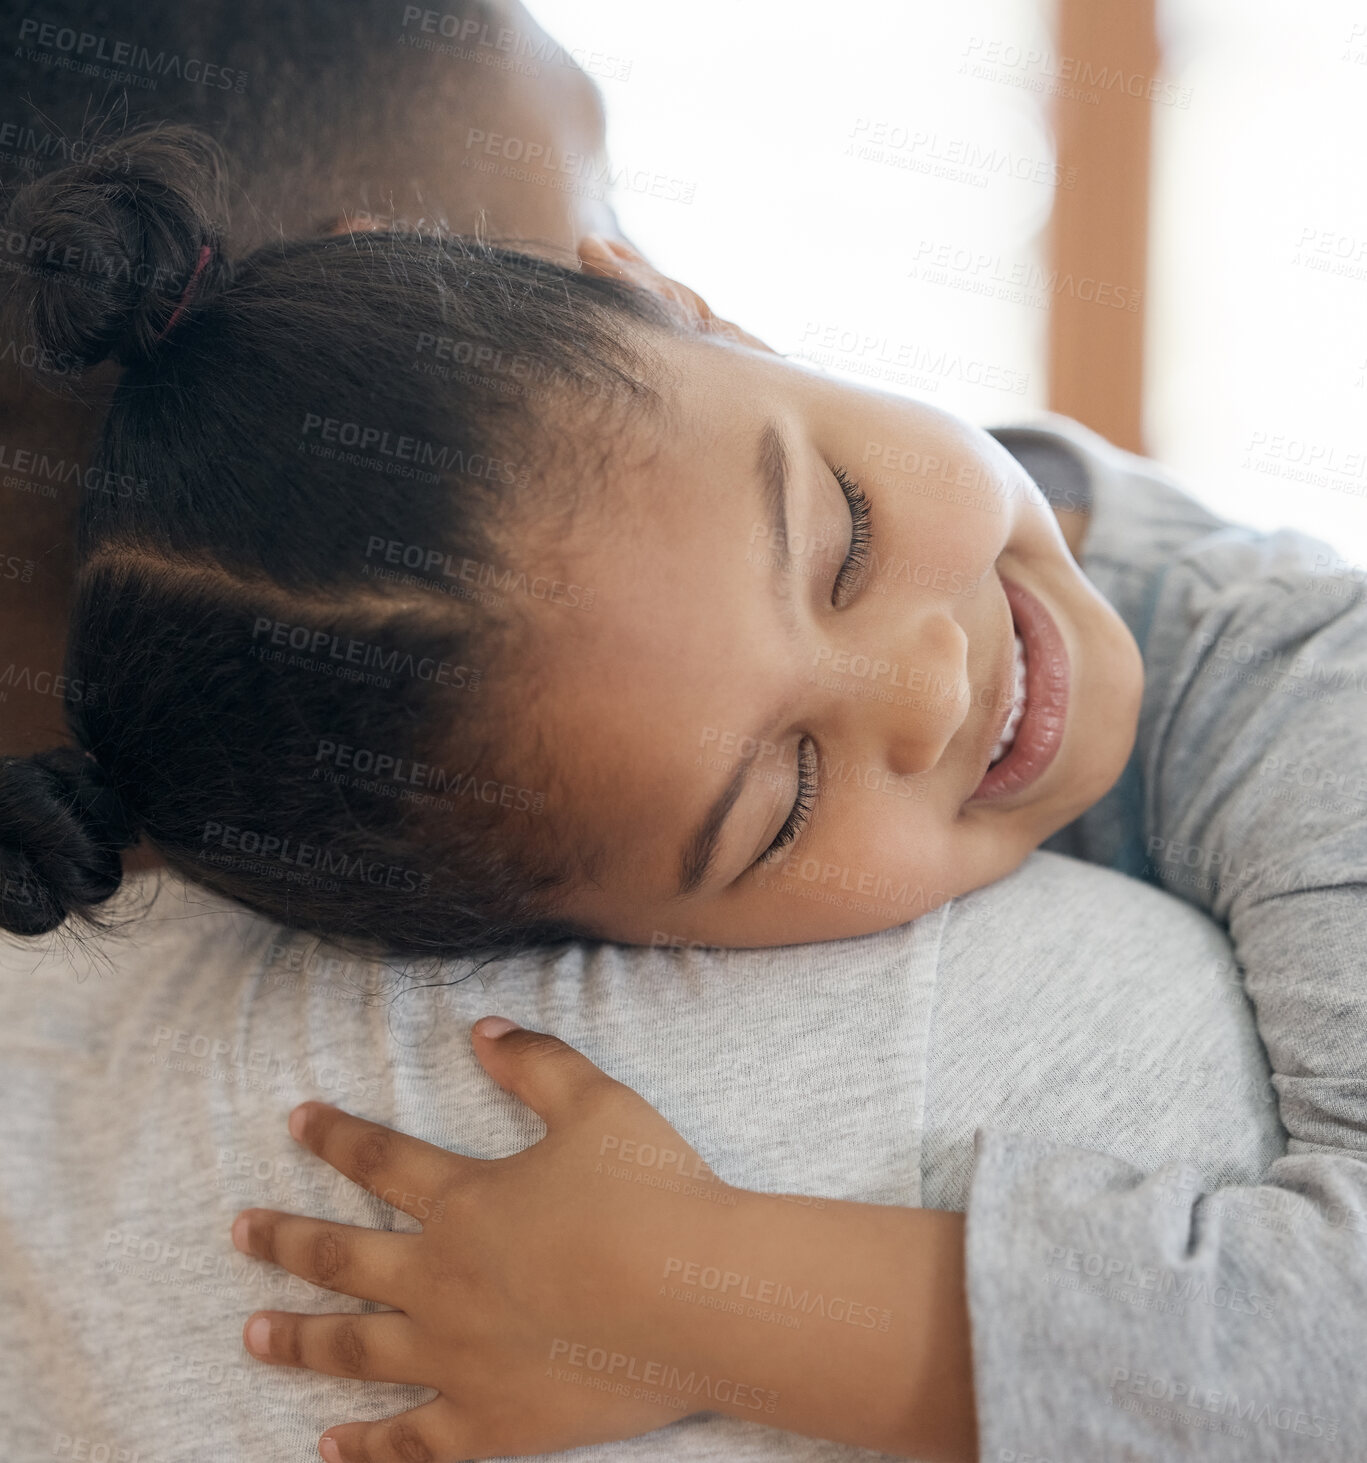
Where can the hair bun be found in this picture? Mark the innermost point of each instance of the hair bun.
(62, 827)
(109, 245)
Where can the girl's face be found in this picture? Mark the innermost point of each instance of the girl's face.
(737, 661)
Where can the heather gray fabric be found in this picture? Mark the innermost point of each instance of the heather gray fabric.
(145, 1104)
(1117, 1314)
(1064, 1009)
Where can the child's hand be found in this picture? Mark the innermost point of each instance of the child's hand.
(533, 1297)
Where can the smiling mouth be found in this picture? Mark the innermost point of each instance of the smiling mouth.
(1032, 730)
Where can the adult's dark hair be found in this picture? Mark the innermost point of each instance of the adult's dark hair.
(279, 673)
(315, 101)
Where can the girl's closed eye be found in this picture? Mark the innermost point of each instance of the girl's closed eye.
(803, 804)
(847, 579)
(861, 534)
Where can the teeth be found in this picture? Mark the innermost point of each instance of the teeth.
(1013, 721)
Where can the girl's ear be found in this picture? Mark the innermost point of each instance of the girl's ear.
(616, 259)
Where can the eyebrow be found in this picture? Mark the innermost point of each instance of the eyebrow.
(701, 848)
(773, 476)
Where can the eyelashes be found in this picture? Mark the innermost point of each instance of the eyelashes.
(802, 804)
(861, 539)
(861, 532)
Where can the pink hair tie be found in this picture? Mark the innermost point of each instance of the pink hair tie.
(188, 294)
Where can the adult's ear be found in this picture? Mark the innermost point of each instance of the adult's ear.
(616, 259)
(346, 223)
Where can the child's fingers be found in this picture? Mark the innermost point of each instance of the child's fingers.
(382, 1347)
(549, 1075)
(405, 1172)
(430, 1433)
(371, 1264)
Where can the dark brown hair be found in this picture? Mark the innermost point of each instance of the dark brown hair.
(233, 625)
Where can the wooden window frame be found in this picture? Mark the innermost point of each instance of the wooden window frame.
(1107, 50)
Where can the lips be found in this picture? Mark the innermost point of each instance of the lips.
(1047, 693)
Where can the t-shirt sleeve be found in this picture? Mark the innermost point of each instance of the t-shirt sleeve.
(1111, 1315)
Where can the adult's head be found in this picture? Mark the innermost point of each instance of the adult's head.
(328, 108)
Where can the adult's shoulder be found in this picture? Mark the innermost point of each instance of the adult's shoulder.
(1082, 1005)
(156, 915)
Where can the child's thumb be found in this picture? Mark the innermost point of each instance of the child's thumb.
(542, 1070)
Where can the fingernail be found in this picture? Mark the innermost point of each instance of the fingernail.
(258, 1335)
(297, 1118)
(327, 1446)
(240, 1227)
(495, 1026)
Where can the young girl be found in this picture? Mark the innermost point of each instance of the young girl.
(274, 692)
(386, 525)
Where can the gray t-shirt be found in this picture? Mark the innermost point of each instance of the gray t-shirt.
(145, 1104)
(984, 1056)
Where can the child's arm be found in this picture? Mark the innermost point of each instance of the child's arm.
(1248, 784)
(1112, 1305)
(604, 1282)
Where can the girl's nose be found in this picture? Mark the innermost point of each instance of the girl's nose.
(923, 695)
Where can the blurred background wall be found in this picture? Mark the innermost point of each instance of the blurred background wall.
(1150, 216)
